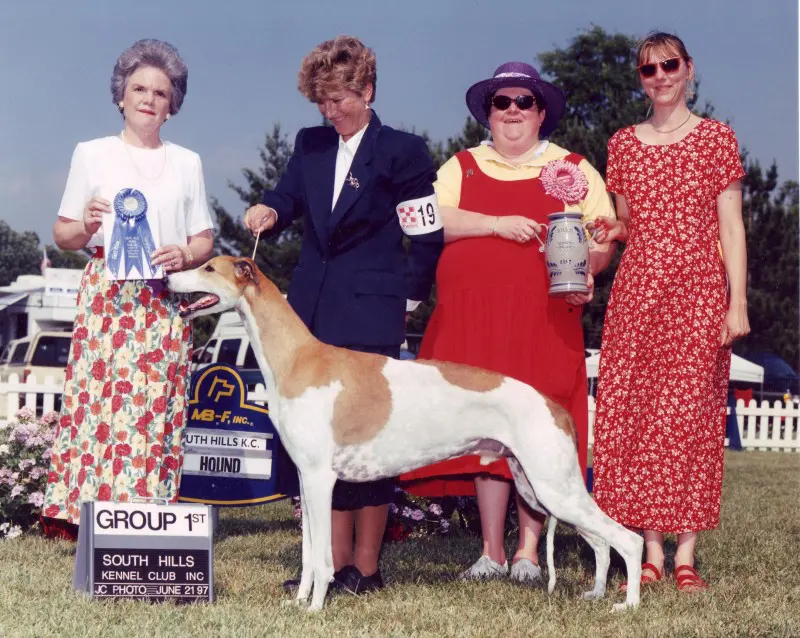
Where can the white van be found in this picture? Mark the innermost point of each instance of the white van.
(229, 345)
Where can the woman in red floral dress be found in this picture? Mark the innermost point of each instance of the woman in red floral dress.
(672, 316)
(122, 419)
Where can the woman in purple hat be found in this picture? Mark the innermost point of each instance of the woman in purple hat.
(493, 308)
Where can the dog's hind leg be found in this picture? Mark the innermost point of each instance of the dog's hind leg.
(602, 559)
(570, 502)
(317, 489)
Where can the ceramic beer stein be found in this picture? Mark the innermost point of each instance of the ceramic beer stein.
(566, 250)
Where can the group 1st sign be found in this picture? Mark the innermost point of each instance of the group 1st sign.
(145, 551)
(230, 445)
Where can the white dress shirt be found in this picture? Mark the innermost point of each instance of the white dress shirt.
(344, 160)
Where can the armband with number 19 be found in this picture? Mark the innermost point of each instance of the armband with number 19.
(420, 216)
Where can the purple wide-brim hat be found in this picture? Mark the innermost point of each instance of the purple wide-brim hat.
(522, 75)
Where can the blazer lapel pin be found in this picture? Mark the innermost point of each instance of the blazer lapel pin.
(352, 181)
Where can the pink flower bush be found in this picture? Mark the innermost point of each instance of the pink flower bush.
(25, 449)
(564, 181)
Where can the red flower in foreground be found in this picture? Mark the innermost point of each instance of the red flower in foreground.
(118, 340)
(102, 433)
(123, 449)
(160, 405)
(141, 487)
(99, 369)
(97, 304)
(51, 511)
(104, 493)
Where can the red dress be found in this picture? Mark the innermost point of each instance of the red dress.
(663, 383)
(493, 311)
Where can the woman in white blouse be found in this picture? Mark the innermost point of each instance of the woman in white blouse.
(126, 383)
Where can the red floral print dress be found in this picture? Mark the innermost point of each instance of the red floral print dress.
(663, 381)
(123, 412)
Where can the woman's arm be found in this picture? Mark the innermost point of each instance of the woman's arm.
(196, 251)
(201, 247)
(70, 234)
(734, 256)
(461, 224)
(608, 229)
(74, 234)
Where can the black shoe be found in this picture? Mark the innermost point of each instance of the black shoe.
(346, 579)
(366, 584)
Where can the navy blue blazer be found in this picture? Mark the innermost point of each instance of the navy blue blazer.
(354, 275)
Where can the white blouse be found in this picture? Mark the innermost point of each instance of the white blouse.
(171, 177)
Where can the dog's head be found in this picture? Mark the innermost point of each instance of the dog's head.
(222, 280)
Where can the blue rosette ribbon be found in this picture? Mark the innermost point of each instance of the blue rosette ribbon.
(131, 236)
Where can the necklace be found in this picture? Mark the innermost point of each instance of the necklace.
(136, 168)
(672, 130)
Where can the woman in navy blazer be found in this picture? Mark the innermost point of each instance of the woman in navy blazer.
(362, 187)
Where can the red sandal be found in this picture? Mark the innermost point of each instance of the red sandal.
(688, 580)
(646, 578)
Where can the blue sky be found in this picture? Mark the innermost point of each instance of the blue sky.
(243, 56)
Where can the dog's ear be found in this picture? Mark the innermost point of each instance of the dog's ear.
(244, 270)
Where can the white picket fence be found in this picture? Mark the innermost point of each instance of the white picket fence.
(761, 427)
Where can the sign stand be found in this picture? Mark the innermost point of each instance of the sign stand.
(231, 447)
(145, 550)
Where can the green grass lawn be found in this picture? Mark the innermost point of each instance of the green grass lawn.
(752, 562)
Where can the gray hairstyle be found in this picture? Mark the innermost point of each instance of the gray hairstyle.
(159, 55)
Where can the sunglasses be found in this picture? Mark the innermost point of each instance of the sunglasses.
(667, 66)
(523, 102)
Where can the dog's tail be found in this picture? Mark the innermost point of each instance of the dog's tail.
(551, 570)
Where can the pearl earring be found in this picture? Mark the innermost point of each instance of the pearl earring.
(366, 105)
(166, 118)
(121, 106)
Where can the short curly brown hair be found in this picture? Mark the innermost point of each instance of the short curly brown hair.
(341, 63)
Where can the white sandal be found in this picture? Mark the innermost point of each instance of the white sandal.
(484, 569)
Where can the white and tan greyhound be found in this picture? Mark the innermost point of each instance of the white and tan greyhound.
(360, 417)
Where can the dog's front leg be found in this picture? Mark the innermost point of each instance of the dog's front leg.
(307, 573)
(317, 489)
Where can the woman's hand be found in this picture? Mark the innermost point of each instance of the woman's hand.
(607, 230)
(517, 228)
(259, 218)
(578, 299)
(172, 257)
(736, 324)
(93, 213)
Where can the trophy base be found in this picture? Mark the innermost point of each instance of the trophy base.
(568, 288)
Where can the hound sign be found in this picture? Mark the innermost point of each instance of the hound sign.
(146, 551)
(230, 445)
